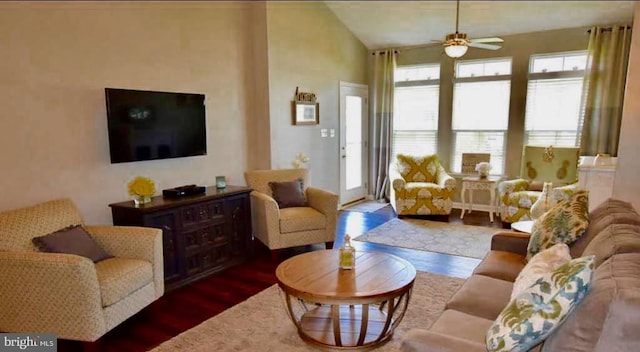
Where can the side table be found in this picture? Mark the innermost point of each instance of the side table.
(475, 183)
(522, 226)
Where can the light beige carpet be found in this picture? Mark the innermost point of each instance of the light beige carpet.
(262, 324)
(432, 236)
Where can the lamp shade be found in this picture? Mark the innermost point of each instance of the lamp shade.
(455, 51)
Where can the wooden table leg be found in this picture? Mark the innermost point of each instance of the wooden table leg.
(491, 204)
(462, 192)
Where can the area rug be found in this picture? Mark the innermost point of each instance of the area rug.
(368, 206)
(432, 236)
(262, 324)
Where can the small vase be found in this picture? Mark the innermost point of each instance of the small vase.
(543, 203)
(483, 174)
(139, 200)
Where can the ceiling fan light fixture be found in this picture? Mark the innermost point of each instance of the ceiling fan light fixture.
(455, 51)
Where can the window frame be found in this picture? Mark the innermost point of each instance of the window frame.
(455, 168)
(553, 75)
(418, 83)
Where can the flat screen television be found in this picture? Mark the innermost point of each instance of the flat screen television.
(147, 125)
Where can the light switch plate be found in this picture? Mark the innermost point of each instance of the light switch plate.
(323, 132)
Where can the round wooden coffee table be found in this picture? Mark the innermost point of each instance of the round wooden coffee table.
(346, 309)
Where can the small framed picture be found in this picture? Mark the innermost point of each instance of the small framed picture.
(469, 161)
(306, 113)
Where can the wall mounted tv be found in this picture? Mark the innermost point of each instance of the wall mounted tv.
(146, 125)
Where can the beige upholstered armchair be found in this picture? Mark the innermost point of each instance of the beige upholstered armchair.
(282, 227)
(420, 186)
(68, 294)
(558, 165)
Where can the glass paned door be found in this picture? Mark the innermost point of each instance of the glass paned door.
(353, 142)
(354, 113)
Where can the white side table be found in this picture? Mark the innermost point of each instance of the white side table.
(522, 226)
(475, 183)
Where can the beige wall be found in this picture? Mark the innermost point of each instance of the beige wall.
(311, 49)
(246, 57)
(259, 126)
(58, 58)
(626, 184)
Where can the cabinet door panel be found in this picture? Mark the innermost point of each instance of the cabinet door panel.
(207, 236)
(171, 245)
(202, 213)
(239, 222)
(194, 263)
(215, 257)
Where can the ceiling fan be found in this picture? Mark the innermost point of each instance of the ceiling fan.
(457, 44)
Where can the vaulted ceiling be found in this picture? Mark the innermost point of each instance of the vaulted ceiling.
(392, 24)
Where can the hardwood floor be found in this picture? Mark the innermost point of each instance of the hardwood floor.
(186, 307)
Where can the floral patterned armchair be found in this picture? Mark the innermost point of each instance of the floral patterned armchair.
(420, 186)
(558, 165)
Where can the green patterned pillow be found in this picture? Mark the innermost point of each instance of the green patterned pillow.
(418, 168)
(533, 315)
(564, 223)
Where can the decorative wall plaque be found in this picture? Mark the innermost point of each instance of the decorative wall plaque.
(306, 111)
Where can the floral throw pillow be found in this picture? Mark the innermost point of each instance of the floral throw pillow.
(541, 263)
(533, 315)
(418, 168)
(564, 223)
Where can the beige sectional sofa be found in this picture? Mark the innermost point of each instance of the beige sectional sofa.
(607, 319)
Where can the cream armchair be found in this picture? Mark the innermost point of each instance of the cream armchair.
(558, 165)
(293, 226)
(67, 294)
(420, 186)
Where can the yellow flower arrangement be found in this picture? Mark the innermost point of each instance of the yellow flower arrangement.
(142, 186)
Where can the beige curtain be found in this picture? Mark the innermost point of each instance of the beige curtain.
(382, 126)
(603, 89)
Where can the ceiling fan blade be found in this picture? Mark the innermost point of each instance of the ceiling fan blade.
(488, 40)
(484, 46)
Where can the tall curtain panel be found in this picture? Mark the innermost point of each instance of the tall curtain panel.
(382, 126)
(603, 89)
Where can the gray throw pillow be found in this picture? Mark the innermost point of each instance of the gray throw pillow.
(289, 194)
(72, 240)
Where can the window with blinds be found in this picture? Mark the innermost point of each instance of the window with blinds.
(554, 95)
(415, 110)
(481, 96)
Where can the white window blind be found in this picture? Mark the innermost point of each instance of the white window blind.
(416, 109)
(554, 95)
(481, 96)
